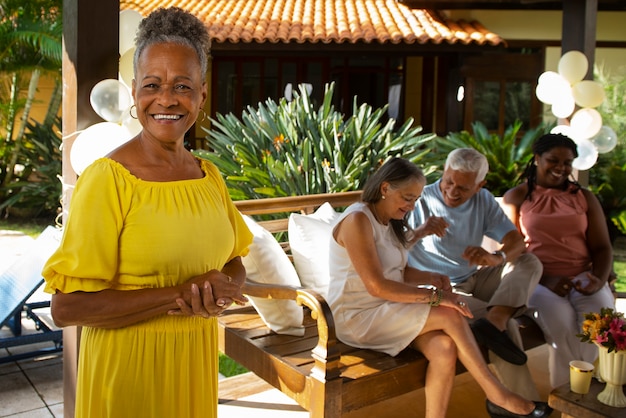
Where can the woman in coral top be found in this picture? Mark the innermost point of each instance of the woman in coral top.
(151, 251)
(564, 226)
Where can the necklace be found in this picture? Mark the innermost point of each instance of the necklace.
(375, 213)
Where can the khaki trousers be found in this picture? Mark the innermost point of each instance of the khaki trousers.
(511, 284)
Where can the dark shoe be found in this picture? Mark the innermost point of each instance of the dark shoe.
(498, 341)
(541, 410)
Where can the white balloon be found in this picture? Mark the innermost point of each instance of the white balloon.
(544, 93)
(573, 66)
(587, 155)
(94, 142)
(548, 76)
(126, 67)
(605, 140)
(586, 122)
(551, 86)
(130, 123)
(563, 106)
(129, 22)
(563, 130)
(109, 98)
(588, 93)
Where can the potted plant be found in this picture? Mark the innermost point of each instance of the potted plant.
(607, 329)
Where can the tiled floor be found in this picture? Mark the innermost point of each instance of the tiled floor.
(34, 388)
(31, 388)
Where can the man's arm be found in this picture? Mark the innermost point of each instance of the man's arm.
(513, 245)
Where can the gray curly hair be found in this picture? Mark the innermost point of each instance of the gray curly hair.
(173, 25)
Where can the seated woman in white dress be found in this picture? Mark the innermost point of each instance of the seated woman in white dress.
(381, 303)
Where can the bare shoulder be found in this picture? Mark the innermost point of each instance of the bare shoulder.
(516, 195)
(125, 154)
(591, 198)
(351, 227)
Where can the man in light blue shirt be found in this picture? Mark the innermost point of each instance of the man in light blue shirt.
(451, 219)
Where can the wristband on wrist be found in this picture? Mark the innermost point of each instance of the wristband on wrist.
(501, 254)
(435, 297)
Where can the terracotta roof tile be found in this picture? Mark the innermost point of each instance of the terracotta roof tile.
(326, 21)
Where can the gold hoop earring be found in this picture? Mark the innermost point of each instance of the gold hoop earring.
(204, 116)
(130, 112)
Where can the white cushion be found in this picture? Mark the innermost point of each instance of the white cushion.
(309, 239)
(267, 263)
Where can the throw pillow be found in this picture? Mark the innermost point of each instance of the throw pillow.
(267, 263)
(309, 239)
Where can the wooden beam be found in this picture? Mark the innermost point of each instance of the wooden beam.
(579, 34)
(603, 5)
(579, 29)
(90, 54)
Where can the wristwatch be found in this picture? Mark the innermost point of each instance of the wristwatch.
(501, 254)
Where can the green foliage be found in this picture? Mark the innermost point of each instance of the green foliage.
(30, 45)
(507, 155)
(292, 148)
(36, 190)
(228, 367)
(607, 178)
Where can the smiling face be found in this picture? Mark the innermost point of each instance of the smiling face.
(457, 187)
(554, 167)
(169, 89)
(399, 200)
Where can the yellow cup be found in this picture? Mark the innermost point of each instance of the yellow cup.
(580, 373)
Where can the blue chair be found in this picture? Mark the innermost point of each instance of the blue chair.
(17, 284)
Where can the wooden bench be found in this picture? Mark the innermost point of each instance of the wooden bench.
(323, 375)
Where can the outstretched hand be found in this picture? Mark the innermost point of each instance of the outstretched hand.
(434, 225)
(478, 256)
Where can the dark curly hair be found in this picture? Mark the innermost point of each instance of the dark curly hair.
(543, 144)
(173, 25)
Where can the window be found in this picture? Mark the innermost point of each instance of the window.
(240, 82)
(499, 89)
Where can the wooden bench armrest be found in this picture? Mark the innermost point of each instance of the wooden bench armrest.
(326, 353)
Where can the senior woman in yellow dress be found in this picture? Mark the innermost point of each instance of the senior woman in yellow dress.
(152, 247)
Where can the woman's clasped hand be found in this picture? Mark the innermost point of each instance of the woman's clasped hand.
(208, 295)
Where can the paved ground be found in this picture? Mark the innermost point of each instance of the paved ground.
(33, 388)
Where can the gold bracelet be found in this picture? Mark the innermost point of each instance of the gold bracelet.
(435, 297)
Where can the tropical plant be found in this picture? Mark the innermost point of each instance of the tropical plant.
(36, 189)
(30, 45)
(507, 155)
(292, 148)
(607, 178)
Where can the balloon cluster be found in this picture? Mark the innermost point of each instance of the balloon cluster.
(572, 97)
(111, 100)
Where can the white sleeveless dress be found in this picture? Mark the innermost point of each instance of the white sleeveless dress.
(365, 321)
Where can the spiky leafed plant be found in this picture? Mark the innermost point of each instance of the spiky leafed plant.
(30, 44)
(507, 155)
(292, 148)
(36, 190)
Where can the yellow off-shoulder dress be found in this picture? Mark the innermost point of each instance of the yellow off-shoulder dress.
(125, 233)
